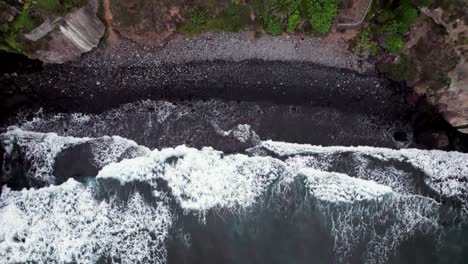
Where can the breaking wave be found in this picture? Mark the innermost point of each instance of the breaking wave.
(127, 203)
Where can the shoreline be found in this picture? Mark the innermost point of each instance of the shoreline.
(234, 47)
(198, 69)
(126, 66)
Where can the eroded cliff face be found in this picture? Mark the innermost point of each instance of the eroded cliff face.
(454, 100)
(438, 48)
(148, 23)
(55, 33)
(70, 36)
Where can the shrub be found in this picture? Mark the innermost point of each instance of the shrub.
(258, 6)
(396, 27)
(196, 21)
(407, 14)
(404, 70)
(235, 18)
(293, 20)
(321, 14)
(394, 43)
(273, 26)
(190, 29)
(385, 16)
(283, 8)
(364, 45)
(445, 79)
(198, 17)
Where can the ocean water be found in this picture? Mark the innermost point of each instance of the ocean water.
(97, 193)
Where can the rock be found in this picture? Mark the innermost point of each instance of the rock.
(85, 159)
(441, 139)
(41, 31)
(51, 34)
(434, 139)
(7, 12)
(149, 23)
(76, 33)
(456, 97)
(442, 76)
(237, 139)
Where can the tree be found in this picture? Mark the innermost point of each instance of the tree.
(394, 43)
(293, 20)
(321, 14)
(280, 8)
(407, 14)
(273, 26)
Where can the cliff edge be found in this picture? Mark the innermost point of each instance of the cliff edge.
(51, 31)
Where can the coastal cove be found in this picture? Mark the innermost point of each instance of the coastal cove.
(309, 84)
(225, 148)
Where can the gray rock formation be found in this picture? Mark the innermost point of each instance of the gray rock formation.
(7, 12)
(68, 37)
(453, 102)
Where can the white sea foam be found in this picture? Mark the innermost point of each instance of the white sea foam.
(381, 225)
(359, 166)
(206, 179)
(337, 187)
(446, 172)
(202, 179)
(244, 133)
(66, 224)
(106, 150)
(41, 149)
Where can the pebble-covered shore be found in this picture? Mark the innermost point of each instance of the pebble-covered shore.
(227, 67)
(231, 47)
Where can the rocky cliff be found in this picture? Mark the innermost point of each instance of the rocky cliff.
(50, 31)
(438, 49)
(148, 23)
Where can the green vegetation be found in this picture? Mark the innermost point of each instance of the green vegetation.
(280, 8)
(321, 14)
(234, 18)
(395, 27)
(258, 34)
(394, 43)
(273, 26)
(293, 20)
(384, 31)
(445, 79)
(386, 25)
(364, 45)
(32, 14)
(407, 14)
(403, 70)
(272, 16)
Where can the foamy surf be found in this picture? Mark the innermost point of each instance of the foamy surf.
(67, 223)
(146, 206)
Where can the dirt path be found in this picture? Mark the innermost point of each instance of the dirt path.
(112, 36)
